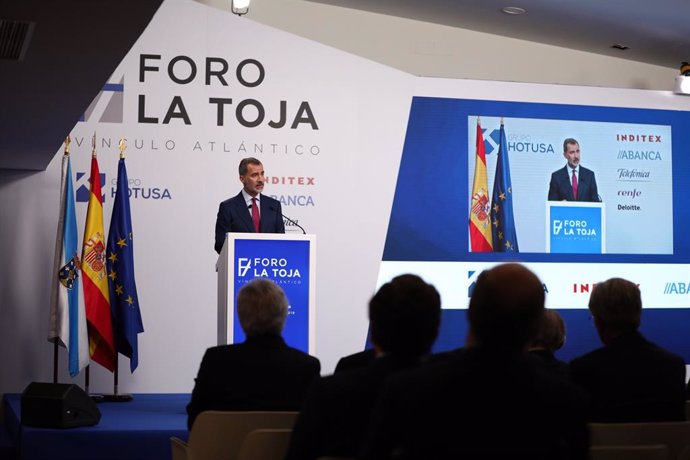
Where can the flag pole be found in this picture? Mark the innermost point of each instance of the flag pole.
(116, 396)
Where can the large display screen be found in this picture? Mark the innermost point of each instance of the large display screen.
(636, 228)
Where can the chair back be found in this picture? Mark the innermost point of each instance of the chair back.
(675, 435)
(219, 434)
(649, 452)
(265, 444)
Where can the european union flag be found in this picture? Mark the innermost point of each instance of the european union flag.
(124, 303)
(502, 216)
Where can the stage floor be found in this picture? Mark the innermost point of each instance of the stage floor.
(139, 429)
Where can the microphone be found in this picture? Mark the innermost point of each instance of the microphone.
(273, 208)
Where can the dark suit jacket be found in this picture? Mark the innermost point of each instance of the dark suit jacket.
(560, 187)
(548, 359)
(234, 216)
(337, 408)
(262, 373)
(461, 407)
(355, 361)
(632, 380)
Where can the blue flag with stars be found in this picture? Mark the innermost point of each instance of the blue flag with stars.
(124, 303)
(502, 216)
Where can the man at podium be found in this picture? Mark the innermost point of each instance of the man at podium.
(573, 182)
(250, 211)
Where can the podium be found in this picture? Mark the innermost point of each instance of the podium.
(288, 260)
(575, 227)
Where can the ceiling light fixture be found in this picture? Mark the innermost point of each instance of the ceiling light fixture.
(513, 10)
(239, 7)
(683, 80)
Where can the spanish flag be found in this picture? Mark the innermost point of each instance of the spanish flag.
(480, 207)
(95, 278)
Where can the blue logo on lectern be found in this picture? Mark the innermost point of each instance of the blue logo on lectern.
(576, 230)
(285, 262)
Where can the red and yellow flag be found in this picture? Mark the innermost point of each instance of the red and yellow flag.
(480, 206)
(95, 277)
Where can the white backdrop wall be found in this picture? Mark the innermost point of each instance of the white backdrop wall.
(180, 172)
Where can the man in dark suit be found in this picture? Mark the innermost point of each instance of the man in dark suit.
(261, 373)
(573, 182)
(250, 211)
(630, 379)
(405, 315)
(490, 400)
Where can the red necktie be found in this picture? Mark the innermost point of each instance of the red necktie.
(574, 185)
(255, 215)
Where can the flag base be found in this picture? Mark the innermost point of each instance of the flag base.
(95, 397)
(119, 397)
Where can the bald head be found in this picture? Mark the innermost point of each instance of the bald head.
(506, 304)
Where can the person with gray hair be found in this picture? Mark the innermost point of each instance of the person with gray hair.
(261, 373)
(629, 379)
(250, 211)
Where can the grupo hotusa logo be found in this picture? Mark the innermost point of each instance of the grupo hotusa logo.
(277, 269)
(83, 188)
(677, 288)
(472, 279)
(526, 143)
(136, 189)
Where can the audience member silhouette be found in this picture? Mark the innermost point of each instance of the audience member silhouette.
(547, 340)
(629, 379)
(355, 361)
(261, 373)
(404, 315)
(489, 401)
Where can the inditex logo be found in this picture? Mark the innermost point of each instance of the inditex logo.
(290, 180)
(585, 288)
(632, 137)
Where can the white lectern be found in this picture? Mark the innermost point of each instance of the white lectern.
(287, 259)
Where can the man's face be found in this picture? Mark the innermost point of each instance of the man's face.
(254, 179)
(572, 154)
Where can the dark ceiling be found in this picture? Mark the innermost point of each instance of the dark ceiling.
(655, 32)
(75, 46)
